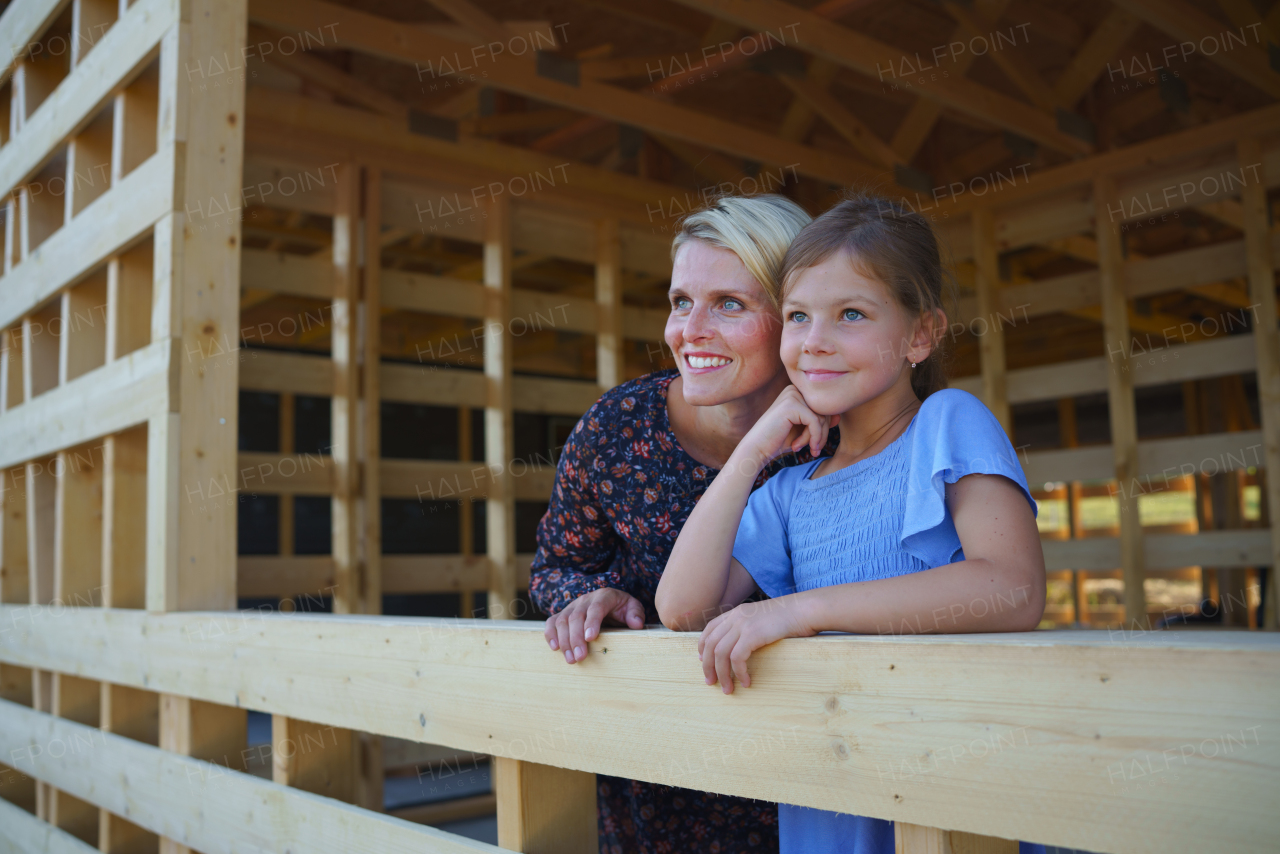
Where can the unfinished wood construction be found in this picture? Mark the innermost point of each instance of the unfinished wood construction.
(204, 186)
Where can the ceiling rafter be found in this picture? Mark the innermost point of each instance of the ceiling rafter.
(865, 55)
(1096, 53)
(1186, 23)
(382, 37)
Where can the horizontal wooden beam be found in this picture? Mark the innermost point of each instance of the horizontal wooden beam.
(107, 400)
(1158, 460)
(23, 832)
(837, 722)
(203, 805)
(21, 24)
(1217, 549)
(279, 576)
(387, 39)
(1221, 356)
(123, 50)
(114, 220)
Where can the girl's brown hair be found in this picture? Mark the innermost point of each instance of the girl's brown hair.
(894, 245)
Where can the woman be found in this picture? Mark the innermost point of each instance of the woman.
(633, 468)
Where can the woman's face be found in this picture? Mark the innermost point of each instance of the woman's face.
(723, 329)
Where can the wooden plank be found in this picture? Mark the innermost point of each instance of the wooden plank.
(942, 691)
(1157, 460)
(113, 398)
(23, 23)
(457, 809)
(915, 839)
(295, 373)
(499, 440)
(344, 407)
(991, 341)
(285, 474)
(1120, 401)
(610, 364)
(24, 833)
(447, 480)
(1262, 291)
(119, 217)
(1101, 47)
(312, 575)
(206, 806)
(125, 48)
(543, 809)
(1224, 549)
(312, 757)
(299, 275)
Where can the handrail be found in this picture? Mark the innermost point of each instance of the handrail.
(1066, 738)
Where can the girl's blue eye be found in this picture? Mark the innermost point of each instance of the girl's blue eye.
(798, 317)
(853, 314)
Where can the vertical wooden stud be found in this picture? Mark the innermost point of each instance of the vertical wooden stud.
(990, 342)
(287, 432)
(124, 540)
(90, 20)
(313, 757)
(466, 512)
(82, 344)
(41, 350)
(915, 839)
(1262, 293)
(344, 409)
(609, 356)
(500, 505)
(543, 809)
(135, 113)
(1120, 401)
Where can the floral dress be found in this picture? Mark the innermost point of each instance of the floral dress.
(624, 488)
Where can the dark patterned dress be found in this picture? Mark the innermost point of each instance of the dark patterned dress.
(624, 488)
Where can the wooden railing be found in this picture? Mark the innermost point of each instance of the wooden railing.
(1111, 742)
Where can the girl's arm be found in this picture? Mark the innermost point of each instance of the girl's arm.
(998, 587)
(701, 578)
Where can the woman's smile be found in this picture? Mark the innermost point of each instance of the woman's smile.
(702, 362)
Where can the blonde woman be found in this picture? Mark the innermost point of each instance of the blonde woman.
(635, 465)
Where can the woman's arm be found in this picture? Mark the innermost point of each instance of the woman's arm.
(570, 576)
(701, 578)
(998, 587)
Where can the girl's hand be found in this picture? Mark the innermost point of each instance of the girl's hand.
(579, 622)
(788, 425)
(728, 640)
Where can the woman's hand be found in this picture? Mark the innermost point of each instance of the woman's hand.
(787, 425)
(728, 640)
(579, 622)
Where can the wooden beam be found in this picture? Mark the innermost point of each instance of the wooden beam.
(1262, 290)
(610, 362)
(478, 22)
(942, 691)
(991, 342)
(1120, 402)
(842, 121)
(499, 441)
(1096, 53)
(349, 595)
(384, 38)
(1233, 549)
(26, 832)
(545, 810)
(1019, 73)
(1188, 24)
(205, 805)
(860, 53)
(914, 839)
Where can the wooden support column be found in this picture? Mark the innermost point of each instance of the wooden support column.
(369, 773)
(1262, 293)
(991, 341)
(191, 441)
(1120, 400)
(914, 839)
(610, 368)
(500, 504)
(348, 594)
(288, 427)
(466, 512)
(545, 810)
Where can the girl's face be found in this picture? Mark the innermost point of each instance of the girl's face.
(845, 339)
(723, 329)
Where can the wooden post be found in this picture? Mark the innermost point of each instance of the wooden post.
(1262, 293)
(610, 369)
(313, 757)
(500, 505)
(1120, 400)
(348, 594)
(545, 810)
(191, 442)
(991, 341)
(915, 839)
(286, 531)
(466, 512)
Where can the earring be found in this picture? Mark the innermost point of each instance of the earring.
(913, 364)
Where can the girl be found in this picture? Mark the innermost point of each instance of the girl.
(923, 479)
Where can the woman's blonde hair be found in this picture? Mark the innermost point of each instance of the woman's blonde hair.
(758, 229)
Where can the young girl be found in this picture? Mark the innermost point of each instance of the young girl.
(922, 507)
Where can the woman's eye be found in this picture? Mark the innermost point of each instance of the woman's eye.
(681, 303)
(853, 314)
(732, 305)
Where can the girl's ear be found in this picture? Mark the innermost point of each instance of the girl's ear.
(929, 329)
